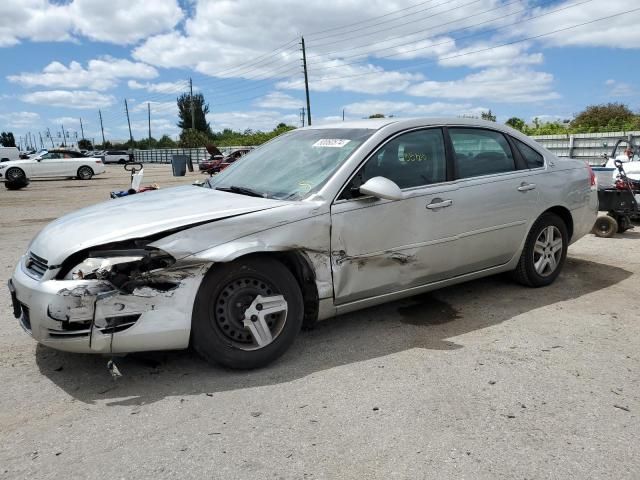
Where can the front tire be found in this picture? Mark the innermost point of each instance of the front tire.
(85, 173)
(15, 175)
(544, 252)
(247, 313)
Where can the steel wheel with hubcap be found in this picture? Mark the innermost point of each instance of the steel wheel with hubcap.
(544, 252)
(247, 313)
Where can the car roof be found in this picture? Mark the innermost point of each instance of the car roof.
(378, 123)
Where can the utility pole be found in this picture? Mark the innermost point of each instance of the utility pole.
(193, 110)
(41, 142)
(126, 108)
(64, 138)
(81, 128)
(50, 137)
(306, 81)
(101, 128)
(343, 114)
(149, 116)
(20, 144)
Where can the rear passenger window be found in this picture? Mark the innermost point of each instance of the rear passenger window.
(480, 152)
(533, 158)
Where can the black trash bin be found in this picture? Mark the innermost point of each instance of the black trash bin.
(179, 165)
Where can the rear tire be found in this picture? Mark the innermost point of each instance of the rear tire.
(605, 227)
(85, 173)
(624, 223)
(544, 253)
(217, 330)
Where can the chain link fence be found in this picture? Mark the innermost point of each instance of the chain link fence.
(586, 146)
(164, 155)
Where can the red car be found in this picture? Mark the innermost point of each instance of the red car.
(217, 163)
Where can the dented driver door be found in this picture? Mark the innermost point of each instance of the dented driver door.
(384, 246)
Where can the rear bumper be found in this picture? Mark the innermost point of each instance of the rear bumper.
(90, 316)
(585, 216)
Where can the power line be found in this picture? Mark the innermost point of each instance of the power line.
(404, 52)
(385, 21)
(368, 20)
(533, 37)
(405, 35)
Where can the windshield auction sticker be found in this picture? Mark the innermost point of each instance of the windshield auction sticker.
(331, 142)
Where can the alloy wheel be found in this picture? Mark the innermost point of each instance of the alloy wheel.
(547, 251)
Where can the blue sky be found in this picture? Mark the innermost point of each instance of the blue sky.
(62, 61)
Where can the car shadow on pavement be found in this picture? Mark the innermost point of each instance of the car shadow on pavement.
(429, 321)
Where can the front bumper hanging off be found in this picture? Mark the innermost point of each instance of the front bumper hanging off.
(92, 316)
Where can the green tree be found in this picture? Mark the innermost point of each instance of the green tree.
(7, 139)
(488, 115)
(166, 142)
(516, 123)
(199, 107)
(610, 116)
(85, 144)
(377, 115)
(193, 139)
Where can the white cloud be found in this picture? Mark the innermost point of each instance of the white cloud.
(179, 86)
(20, 119)
(70, 120)
(159, 127)
(496, 84)
(279, 100)
(100, 74)
(81, 99)
(115, 21)
(256, 120)
(157, 108)
(617, 32)
(370, 107)
(482, 54)
(619, 89)
(353, 78)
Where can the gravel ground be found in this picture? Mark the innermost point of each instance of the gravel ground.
(482, 380)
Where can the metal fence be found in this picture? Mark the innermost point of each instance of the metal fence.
(586, 146)
(164, 155)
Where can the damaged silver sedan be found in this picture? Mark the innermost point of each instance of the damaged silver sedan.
(318, 222)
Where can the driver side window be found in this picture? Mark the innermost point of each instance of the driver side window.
(410, 160)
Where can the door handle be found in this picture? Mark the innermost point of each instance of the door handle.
(526, 186)
(439, 203)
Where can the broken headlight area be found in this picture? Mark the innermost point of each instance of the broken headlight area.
(126, 269)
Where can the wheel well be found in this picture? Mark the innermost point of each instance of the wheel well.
(566, 217)
(301, 268)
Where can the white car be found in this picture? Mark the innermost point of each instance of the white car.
(117, 156)
(8, 154)
(53, 163)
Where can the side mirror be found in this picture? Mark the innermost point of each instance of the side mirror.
(381, 187)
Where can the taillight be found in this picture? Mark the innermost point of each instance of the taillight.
(98, 161)
(592, 176)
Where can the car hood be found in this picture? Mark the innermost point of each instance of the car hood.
(139, 216)
(15, 163)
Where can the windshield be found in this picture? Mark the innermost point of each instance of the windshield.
(292, 165)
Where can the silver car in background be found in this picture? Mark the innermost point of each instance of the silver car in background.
(318, 222)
